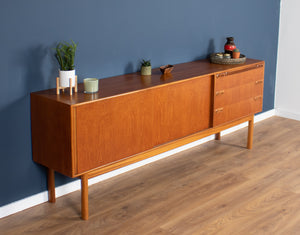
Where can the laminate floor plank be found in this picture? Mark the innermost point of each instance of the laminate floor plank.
(236, 199)
(219, 187)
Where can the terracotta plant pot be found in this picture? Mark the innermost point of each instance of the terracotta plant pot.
(236, 55)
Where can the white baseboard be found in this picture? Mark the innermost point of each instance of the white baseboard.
(42, 197)
(287, 114)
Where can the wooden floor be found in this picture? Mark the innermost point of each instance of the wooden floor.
(216, 188)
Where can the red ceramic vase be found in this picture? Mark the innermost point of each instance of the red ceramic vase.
(229, 46)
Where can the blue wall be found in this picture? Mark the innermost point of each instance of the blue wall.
(112, 36)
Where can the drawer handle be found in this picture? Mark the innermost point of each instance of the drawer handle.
(257, 97)
(258, 81)
(220, 92)
(259, 65)
(221, 74)
(219, 110)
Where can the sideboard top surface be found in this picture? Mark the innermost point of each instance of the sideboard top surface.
(132, 82)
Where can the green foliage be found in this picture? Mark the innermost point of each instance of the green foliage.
(146, 63)
(65, 55)
(236, 50)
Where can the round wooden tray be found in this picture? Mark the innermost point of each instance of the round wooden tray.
(217, 60)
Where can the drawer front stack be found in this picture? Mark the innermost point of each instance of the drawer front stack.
(238, 94)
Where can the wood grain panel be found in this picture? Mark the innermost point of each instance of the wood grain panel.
(182, 109)
(238, 79)
(51, 134)
(237, 94)
(237, 110)
(113, 129)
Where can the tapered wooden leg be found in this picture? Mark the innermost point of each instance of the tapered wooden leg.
(250, 133)
(51, 185)
(84, 198)
(218, 136)
(76, 84)
(71, 88)
(57, 85)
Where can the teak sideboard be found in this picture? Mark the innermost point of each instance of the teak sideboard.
(135, 117)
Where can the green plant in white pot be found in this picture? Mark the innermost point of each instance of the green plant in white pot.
(146, 67)
(65, 55)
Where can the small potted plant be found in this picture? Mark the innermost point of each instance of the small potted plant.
(236, 53)
(65, 55)
(146, 67)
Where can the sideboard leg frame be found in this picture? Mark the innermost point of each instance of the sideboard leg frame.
(250, 132)
(84, 198)
(218, 136)
(51, 186)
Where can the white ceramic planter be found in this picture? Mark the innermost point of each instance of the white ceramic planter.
(64, 77)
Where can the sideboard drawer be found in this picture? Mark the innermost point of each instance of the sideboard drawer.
(228, 80)
(236, 94)
(238, 110)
